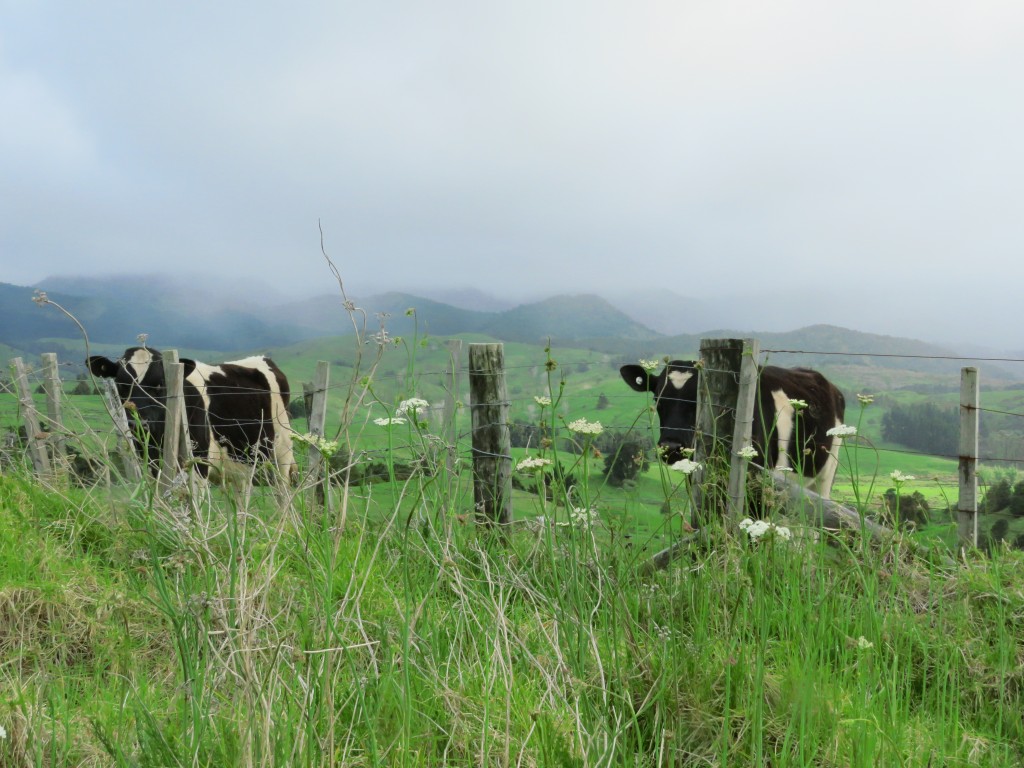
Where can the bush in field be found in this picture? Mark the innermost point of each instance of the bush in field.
(913, 508)
(625, 461)
(923, 427)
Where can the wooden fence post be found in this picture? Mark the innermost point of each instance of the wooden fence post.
(492, 445)
(54, 394)
(741, 437)
(30, 417)
(125, 444)
(176, 439)
(716, 420)
(451, 397)
(316, 418)
(967, 505)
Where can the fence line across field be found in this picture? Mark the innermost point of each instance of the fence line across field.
(46, 436)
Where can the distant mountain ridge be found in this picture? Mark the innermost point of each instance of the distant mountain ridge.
(177, 313)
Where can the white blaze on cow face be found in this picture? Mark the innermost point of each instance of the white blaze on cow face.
(678, 379)
(140, 361)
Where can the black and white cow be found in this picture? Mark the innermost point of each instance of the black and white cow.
(780, 435)
(236, 411)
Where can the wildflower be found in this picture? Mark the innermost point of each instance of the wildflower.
(842, 430)
(542, 401)
(389, 422)
(748, 453)
(899, 478)
(413, 405)
(583, 517)
(864, 644)
(326, 447)
(685, 466)
(650, 365)
(798, 405)
(758, 529)
(531, 464)
(865, 399)
(584, 427)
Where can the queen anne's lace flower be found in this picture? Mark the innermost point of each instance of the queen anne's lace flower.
(758, 529)
(389, 422)
(584, 427)
(532, 464)
(842, 430)
(686, 466)
(865, 399)
(899, 478)
(650, 365)
(412, 406)
(748, 453)
(542, 400)
(798, 405)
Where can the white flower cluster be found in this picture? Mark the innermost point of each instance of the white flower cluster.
(798, 405)
(758, 529)
(326, 447)
(864, 644)
(584, 427)
(542, 400)
(842, 430)
(582, 517)
(386, 422)
(686, 466)
(650, 365)
(748, 453)
(411, 406)
(865, 399)
(532, 464)
(899, 478)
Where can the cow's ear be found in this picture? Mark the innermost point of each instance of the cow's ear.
(103, 367)
(637, 377)
(187, 366)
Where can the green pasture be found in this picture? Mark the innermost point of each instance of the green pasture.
(238, 626)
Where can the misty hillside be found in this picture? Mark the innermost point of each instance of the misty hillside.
(177, 313)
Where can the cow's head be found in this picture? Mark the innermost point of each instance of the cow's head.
(139, 376)
(675, 397)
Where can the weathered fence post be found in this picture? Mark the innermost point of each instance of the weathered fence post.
(967, 506)
(316, 418)
(451, 397)
(175, 441)
(741, 436)
(54, 393)
(716, 421)
(492, 446)
(30, 417)
(125, 445)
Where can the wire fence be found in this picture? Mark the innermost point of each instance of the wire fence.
(587, 394)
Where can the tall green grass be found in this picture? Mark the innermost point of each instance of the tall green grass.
(227, 627)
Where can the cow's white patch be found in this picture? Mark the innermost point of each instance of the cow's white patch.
(784, 419)
(140, 361)
(679, 378)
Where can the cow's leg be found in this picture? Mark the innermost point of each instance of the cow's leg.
(823, 481)
(784, 424)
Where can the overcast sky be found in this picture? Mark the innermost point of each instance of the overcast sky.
(854, 150)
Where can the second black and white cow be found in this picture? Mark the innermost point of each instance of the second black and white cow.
(236, 412)
(785, 438)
